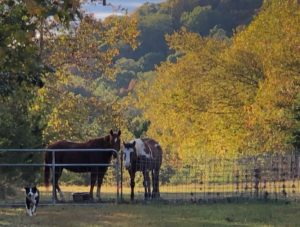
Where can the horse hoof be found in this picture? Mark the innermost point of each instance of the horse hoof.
(155, 195)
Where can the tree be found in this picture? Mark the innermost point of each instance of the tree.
(153, 27)
(146, 9)
(272, 41)
(23, 24)
(93, 47)
(228, 98)
(22, 66)
(19, 60)
(217, 33)
(18, 129)
(83, 80)
(176, 101)
(150, 60)
(201, 19)
(175, 8)
(35, 116)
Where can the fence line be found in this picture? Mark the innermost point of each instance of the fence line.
(263, 177)
(53, 165)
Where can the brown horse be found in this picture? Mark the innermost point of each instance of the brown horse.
(111, 141)
(144, 155)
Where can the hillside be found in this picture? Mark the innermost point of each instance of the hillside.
(207, 18)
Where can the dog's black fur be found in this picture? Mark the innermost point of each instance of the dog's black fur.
(32, 200)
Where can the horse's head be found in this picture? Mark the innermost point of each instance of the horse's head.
(115, 141)
(129, 153)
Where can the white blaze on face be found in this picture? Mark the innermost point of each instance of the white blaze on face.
(140, 151)
(127, 153)
(32, 195)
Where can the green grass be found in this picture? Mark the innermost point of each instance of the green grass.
(252, 214)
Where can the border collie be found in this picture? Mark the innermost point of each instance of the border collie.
(32, 200)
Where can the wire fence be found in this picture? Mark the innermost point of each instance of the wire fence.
(264, 177)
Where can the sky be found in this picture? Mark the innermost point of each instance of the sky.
(101, 11)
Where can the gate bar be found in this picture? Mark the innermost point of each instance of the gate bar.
(53, 164)
(53, 178)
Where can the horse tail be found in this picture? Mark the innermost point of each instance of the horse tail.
(48, 159)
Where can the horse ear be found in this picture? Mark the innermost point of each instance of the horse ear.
(119, 132)
(111, 132)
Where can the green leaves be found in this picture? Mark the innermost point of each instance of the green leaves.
(19, 61)
(201, 19)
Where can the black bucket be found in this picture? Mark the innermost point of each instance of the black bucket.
(80, 197)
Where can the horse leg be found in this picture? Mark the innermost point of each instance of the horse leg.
(58, 173)
(99, 182)
(93, 181)
(132, 184)
(55, 185)
(156, 177)
(155, 182)
(61, 194)
(146, 184)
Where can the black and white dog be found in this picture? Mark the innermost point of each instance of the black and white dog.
(32, 200)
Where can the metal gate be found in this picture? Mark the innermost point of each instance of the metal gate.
(8, 167)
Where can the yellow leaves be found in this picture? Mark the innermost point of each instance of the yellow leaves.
(271, 33)
(228, 99)
(184, 41)
(263, 59)
(94, 45)
(73, 111)
(121, 29)
(176, 101)
(35, 107)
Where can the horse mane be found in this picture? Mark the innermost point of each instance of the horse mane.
(102, 141)
(92, 143)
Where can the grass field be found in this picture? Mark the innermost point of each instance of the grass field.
(155, 214)
(187, 192)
